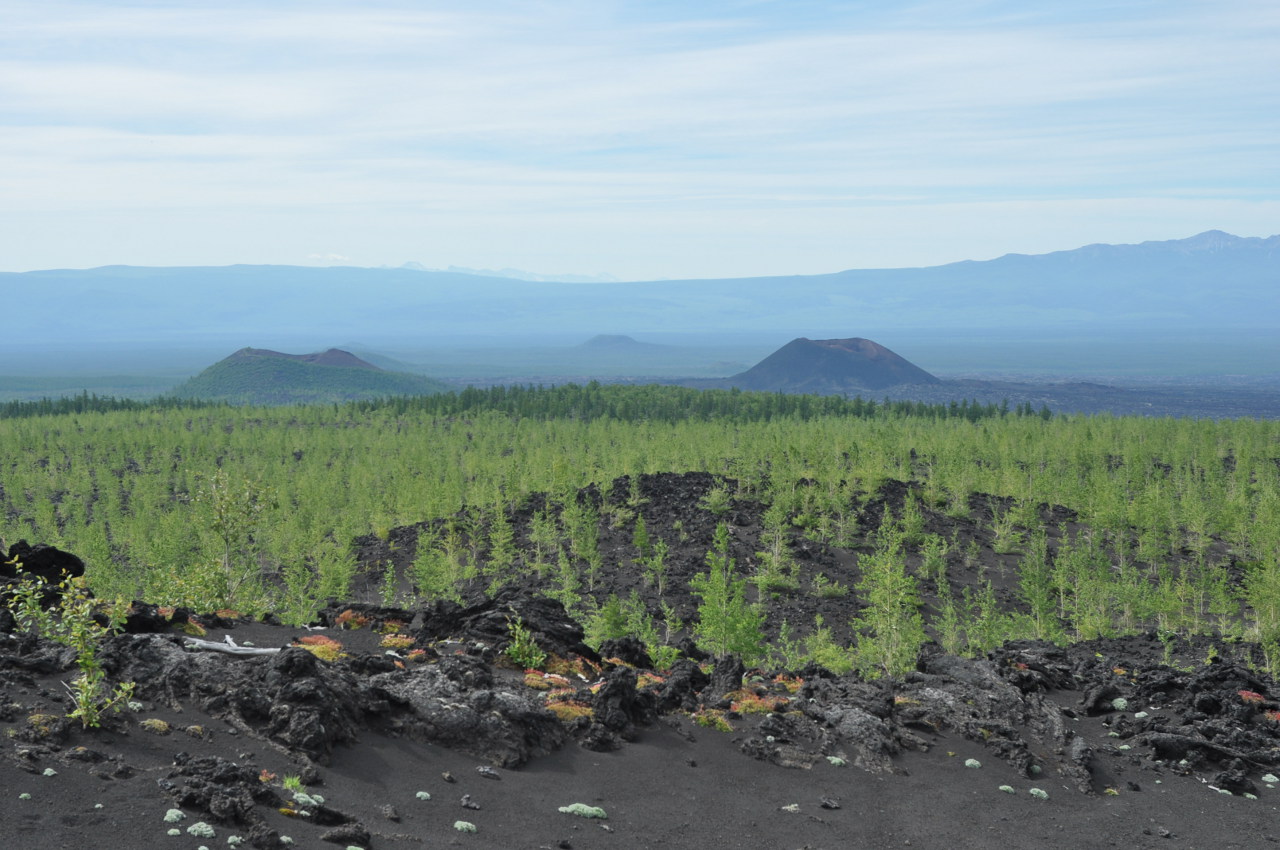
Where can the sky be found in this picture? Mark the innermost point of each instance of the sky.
(643, 140)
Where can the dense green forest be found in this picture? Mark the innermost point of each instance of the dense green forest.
(261, 508)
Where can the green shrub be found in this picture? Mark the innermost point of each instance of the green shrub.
(727, 623)
(71, 623)
(523, 651)
(582, 810)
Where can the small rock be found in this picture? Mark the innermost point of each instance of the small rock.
(347, 833)
(447, 777)
(468, 803)
(487, 772)
(828, 803)
(389, 812)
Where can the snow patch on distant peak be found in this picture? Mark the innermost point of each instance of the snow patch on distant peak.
(517, 274)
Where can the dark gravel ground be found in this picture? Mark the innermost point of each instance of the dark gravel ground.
(1135, 742)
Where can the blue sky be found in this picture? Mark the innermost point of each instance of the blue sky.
(641, 139)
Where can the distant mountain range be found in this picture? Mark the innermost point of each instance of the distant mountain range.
(1213, 280)
(261, 376)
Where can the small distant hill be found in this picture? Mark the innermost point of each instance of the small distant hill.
(262, 376)
(620, 342)
(830, 366)
(331, 357)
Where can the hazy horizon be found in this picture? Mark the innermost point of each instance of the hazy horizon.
(530, 276)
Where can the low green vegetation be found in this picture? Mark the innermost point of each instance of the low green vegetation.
(1166, 525)
(582, 810)
(70, 620)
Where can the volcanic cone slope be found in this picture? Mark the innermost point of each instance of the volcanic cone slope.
(831, 365)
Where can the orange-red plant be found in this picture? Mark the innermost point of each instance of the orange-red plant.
(569, 710)
(349, 619)
(791, 683)
(647, 679)
(563, 703)
(575, 666)
(322, 647)
(397, 642)
(749, 702)
(711, 718)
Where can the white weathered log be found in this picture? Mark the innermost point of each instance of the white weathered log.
(213, 646)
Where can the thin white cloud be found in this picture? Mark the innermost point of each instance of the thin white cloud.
(736, 115)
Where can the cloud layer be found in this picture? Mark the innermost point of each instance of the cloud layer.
(645, 140)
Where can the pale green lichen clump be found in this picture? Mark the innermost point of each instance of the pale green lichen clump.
(200, 829)
(582, 810)
(464, 826)
(1039, 793)
(174, 815)
(1008, 789)
(973, 763)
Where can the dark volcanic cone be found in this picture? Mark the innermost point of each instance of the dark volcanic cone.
(830, 365)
